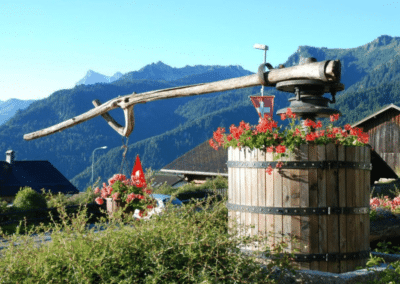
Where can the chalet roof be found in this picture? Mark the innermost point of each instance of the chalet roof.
(35, 174)
(170, 179)
(201, 160)
(374, 115)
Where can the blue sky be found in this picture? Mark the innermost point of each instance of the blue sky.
(49, 45)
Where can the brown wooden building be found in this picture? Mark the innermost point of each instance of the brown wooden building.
(383, 128)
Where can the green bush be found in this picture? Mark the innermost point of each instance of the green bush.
(28, 199)
(181, 246)
(59, 199)
(218, 182)
(3, 206)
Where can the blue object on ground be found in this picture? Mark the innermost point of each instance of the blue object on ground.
(164, 198)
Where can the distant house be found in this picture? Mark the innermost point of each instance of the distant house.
(383, 128)
(200, 163)
(35, 174)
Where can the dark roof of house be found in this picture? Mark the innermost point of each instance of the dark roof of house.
(201, 160)
(35, 174)
(374, 115)
(171, 180)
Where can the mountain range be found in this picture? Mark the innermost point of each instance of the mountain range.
(10, 107)
(92, 77)
(166, 129)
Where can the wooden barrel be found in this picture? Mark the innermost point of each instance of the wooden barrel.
(320, 196)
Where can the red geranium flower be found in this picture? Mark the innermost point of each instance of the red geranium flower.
(334, 117)
(309, 123)
(319, 124)
(269, 170)
(289, 113)
(281, 149)
(99, 200)
(311, 136)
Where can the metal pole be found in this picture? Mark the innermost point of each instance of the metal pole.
(265, 61)
(104, 147)
(265, 48)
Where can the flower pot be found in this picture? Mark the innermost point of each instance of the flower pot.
(320, 195)
(114, 205)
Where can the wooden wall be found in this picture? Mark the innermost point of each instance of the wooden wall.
(384, 136)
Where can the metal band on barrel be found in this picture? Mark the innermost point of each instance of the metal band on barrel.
(315, 256)
(301, 165)
(298, 211)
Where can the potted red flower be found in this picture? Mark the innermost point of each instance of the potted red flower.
(268, 136)
(131, 194)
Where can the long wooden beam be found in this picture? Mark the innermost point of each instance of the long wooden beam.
(328, 71)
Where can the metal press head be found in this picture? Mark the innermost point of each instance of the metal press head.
(308, 101)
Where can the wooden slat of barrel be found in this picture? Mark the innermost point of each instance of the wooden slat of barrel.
(342, 203)
(367, 182)
(365, 193)
(361, 203)
(231, 188)
(242, 189)
(238, 197)
(278, 229)
(247, 189)
(295, 202)
(322, 245)
(254, 192)
(350, 202)
(313, 201)
(261, 188)
(304, 203)
(270, 193)
(357, 203)
(364, 203)
(332, 201)
(286, 199)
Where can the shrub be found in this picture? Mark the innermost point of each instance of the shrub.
(218, 182)
(28, 199)
(56, 200)
(184, 246)
(3, 206)
(86, 197)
